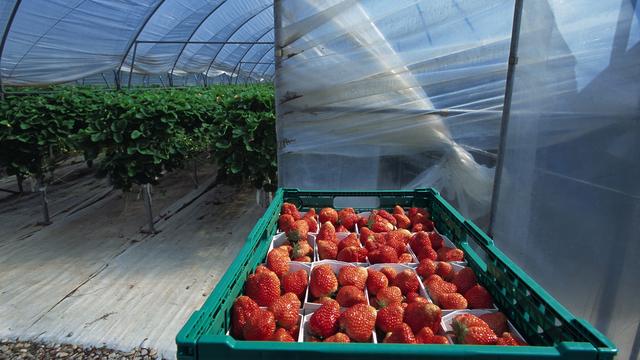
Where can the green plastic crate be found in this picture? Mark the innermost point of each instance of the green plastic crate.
(554, 331)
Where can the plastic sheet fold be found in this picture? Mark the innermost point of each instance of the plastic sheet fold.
(407, 94)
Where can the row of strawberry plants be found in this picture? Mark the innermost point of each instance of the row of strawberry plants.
(136, 136)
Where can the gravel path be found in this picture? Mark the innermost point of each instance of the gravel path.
(33, 350)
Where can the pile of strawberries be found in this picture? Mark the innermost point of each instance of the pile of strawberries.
(347, 249)
(453, 290)
(271, 305)
(346, 302)
(483, 330)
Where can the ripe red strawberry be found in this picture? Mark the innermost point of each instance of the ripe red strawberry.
(263, 287)
(417, 228)
(385, 214)
(396, 243)
(348, 218)
(426, 336)
(243, 308)
(323, 281)
(358, 322)
(477, 335)
(260, 326)
(418, 315)
(350, 240)
(324, 321)
(431, 279)
(445, 270)
(387, 255)
(376, 281)
(305, 259)
(312, 222)
(301, 249)
(437, 288)
(341, 229)
(413, 296)
(324, 299)
(352, 254)
(373, 247)
(328, 214)
(407, 281)
(464, 280)
(426, 268)
(436, 240)
(365, 234)
(497, 321)
(362, 222)
(285, 311)
(402, 221)
(389, 295)
(338, 338)
(405, 258)
(299, 231)
(427, 253)
(285, 222)
(428, 225)
(281, 335)
(381, 226)
(350, 295)
(294, 331)
(378, 223)
(478, 298)
(327, 249)
(390, 273)
(327, 232)
(417, 210)
(420, 241)
(278, 261)
(450, 254)
(292, 298)
(296, 282)
(353, 275)
(400, 334)
(463, 321)
(262, 269)
(418, 218)
(389, 317)
(398, 210)
(508, 340)
(291, 209)
(452, 301)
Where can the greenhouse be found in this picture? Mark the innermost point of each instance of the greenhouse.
(419, 179)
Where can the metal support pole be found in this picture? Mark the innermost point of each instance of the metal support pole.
(42, 187)
(3, 41)
(195, 173)
(506, 110)
(133, 62)
(146, 194)
(134, 39)
(105, 81)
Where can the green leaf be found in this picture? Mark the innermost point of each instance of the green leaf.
(135, 134)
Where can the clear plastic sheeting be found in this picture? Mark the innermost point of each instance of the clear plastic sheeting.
(56, 41)
(376, 94)
(569, 198)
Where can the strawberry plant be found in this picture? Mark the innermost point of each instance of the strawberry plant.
(245, 137)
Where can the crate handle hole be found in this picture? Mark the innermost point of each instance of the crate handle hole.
(357, 202)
